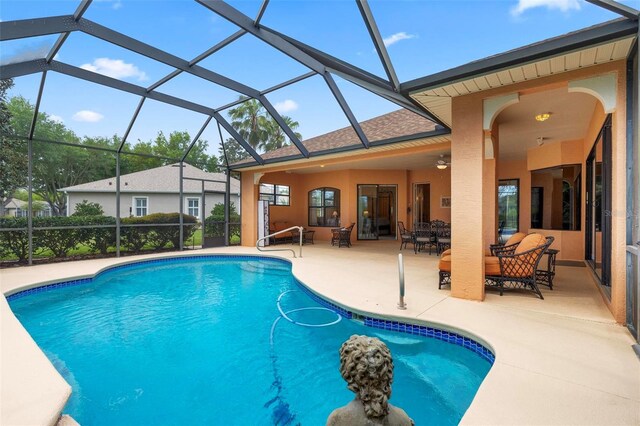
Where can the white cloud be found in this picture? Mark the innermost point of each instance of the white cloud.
(87, 116)
(393, 39)
(117, 5)
(115, 68)
(562, 5)
(56, 118)
(287, 105)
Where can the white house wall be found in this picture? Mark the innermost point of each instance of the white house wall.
(156, 203)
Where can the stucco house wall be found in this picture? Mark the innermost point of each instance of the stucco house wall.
(156, 203)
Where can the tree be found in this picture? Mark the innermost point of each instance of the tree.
(276, 138)
(13, 152)
(57, 166)
(250, 121)
(258, 128)
(233, 152)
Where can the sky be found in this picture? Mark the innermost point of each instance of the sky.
(422, 37)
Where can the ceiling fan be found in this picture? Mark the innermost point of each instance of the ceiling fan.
(442, 163)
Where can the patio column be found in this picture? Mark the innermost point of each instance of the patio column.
(248, 205)
(490, 186)
(467, 194)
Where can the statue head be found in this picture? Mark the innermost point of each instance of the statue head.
(367, 367)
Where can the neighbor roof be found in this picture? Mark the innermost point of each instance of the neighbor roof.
(165, 179)
(394, 126)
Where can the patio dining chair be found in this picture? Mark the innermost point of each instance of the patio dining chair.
(443, 238)
(342, 236)
(424, 237)
(405, 236)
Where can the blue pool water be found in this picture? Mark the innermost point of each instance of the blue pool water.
(198, 341)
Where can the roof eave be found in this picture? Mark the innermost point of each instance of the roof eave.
(608, 31)
(316, 154)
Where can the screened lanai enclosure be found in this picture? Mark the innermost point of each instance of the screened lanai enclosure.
(122, 188)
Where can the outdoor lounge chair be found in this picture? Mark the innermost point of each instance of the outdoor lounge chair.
(405, 236)
(342, 236)
(512, 268)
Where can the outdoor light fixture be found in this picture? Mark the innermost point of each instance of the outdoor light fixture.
(441, 166)
(543, 116)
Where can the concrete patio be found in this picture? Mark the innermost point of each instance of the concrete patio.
(561, 360)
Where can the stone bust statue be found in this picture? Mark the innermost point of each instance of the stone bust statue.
(367, 367)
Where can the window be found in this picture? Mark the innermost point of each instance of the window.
(508, 206)
(140, 206)
(193, 206)
(324, 207)
(276, 194)
(555, 197)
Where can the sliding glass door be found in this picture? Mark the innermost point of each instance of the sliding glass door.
(598, 235)
(376, 212)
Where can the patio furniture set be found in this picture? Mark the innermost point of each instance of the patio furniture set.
(434, 235)
(514, 264)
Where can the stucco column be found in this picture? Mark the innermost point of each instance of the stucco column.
(249, 228)
(467, 193)
(490, 188)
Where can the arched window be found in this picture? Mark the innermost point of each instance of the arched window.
(324, 207)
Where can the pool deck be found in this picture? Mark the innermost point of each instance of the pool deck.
(561, 360)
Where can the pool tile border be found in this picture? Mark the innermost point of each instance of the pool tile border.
(373, 322)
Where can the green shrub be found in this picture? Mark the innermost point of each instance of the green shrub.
(136, 237)
(98, 239)
(59, 241)
(214, 224)
(14, 242)
(86, 208)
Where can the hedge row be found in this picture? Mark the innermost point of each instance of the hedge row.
(99, 239)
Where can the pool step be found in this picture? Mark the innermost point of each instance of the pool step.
(265, 268)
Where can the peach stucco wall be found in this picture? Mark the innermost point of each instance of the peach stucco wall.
(439, 184)
(467, 155)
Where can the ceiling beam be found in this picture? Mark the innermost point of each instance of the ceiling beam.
(378, 42)
(263, 8)
(134, 117)
(195, 139)
(82, 7)
(619, 8)
(12, 30)
(345, 107)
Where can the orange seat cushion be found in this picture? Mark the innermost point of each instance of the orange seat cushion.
(491, 265)
(447, 252)
(529, 242)
(516, 238)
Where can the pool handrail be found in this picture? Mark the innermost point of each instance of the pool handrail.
(300, 235)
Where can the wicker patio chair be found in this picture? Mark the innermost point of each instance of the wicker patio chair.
(341, 236)
(509, 246)
(518, 268)
(405, 236)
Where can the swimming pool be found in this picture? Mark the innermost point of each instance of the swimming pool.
(203, 340)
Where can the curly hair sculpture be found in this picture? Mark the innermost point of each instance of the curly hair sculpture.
(367, 367)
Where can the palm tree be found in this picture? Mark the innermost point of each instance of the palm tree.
(276, 138)
(249, 119)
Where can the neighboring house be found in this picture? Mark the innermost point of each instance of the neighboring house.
(156, 191)
(19, 208)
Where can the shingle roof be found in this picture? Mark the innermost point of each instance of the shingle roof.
(388, 126)
(165, 179)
